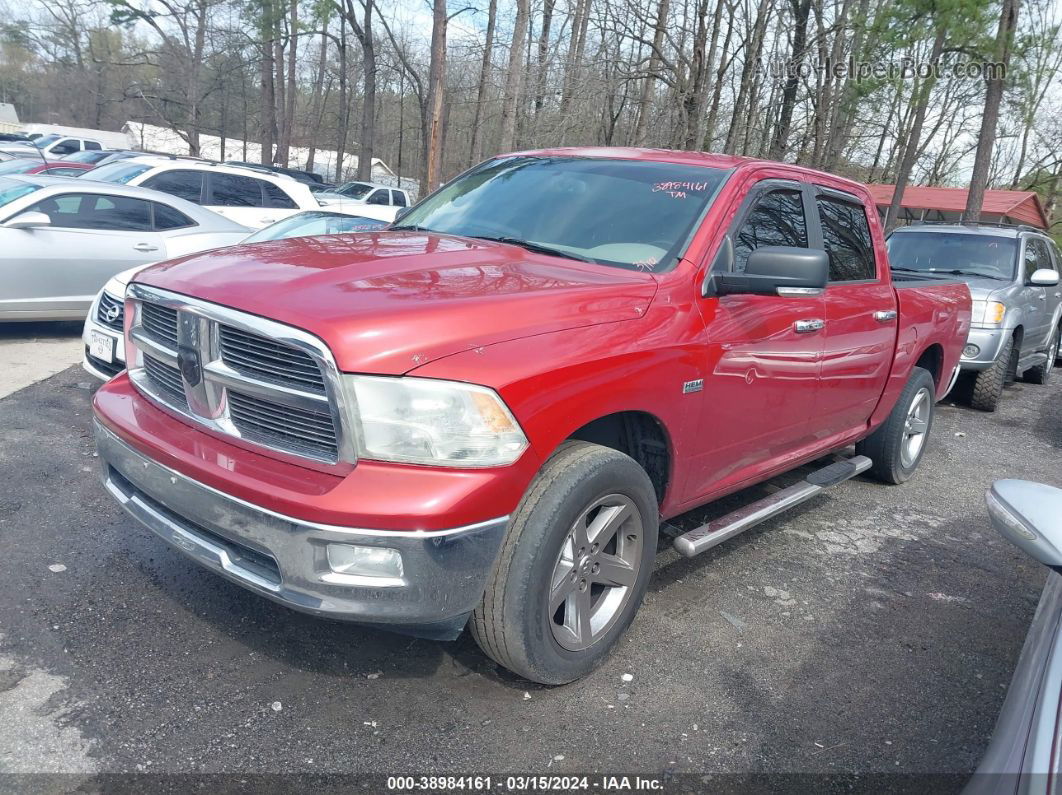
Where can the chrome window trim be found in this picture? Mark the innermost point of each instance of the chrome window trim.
(198, 323)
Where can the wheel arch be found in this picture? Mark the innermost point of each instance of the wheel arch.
(932, 359)
(641, 435)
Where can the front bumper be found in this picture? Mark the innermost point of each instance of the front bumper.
(989, 341)
(284, 559)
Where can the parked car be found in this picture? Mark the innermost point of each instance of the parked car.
(1013, 274)
(1022, 755)
(53, 145)
(482, 415)
(250, 196)
(92, 157)
(61, 239)
(373, 193)
(52, 168)
(306, 177)
(103, 333)
(13, 138)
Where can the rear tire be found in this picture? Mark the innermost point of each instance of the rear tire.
(574, 566)
(1041, 373)
(988, 385)
(896, 447)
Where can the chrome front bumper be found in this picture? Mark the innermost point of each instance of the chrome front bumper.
(284, 559)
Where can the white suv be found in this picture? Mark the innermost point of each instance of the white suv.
(244, 194)
(53, 146)
(373, 193)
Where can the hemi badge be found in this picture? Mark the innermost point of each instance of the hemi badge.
(693, 386)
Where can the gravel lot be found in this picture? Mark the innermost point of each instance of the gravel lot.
(873, 630)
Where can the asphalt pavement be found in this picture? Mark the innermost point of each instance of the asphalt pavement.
(871, 631)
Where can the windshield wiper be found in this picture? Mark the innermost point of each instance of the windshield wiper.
(538, 248)
(906, 270)
(959, 272)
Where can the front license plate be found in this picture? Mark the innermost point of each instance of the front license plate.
(102, 346)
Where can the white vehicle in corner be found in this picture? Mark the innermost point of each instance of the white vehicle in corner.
(51, 146)
(247, 195)
(104, 327)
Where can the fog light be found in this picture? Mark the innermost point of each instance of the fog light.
(970, 351)
(361, 561)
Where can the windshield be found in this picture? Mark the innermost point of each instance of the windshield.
(948, 252)
(315, 223)
(626, 213)
(118, 172)
(18, 166)
(11, 189)
(354, 190)
(44, 140)
(86, 156)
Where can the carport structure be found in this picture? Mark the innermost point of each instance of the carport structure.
(922, 204)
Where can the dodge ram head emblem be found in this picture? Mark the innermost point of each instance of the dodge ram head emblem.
(112, 313)
(188, 362)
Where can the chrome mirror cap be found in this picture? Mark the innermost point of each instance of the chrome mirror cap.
(1029, 515)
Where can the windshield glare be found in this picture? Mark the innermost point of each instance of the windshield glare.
(44, 140)
(626, 213)
(354, 190)
(11, 189)
(118, 172)
(315, 223)
(975, 255)
(18, 166)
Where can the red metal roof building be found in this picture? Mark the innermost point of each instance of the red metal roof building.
(948, 204)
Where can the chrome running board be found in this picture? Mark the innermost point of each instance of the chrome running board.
(719, 530)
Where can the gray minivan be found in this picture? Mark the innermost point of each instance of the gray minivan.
(1013, 274)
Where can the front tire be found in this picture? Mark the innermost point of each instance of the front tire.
(988, 386)
(896, 447)
(574, 566)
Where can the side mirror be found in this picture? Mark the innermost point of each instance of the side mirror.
(28, 221)
(402, 213)
(775, 270)
(1044, 277)
(1029, 515)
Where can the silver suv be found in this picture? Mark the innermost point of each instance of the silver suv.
(1013, 274)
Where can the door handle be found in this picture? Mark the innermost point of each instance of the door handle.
(145, 247)
(1042, 296)
(267, 220)
(807, 326)
(885, 315)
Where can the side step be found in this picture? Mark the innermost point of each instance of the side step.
(719, 530)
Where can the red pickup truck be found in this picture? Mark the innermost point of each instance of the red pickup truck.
(482, 415)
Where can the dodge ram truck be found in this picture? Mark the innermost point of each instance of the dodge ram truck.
(482, 415)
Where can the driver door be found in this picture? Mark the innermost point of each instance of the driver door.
(762, 352)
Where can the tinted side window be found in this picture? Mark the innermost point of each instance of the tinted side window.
(92, 145)
(230, 190)
(1056, 258)
(168, 218)
(275, 197)
(398, 198)
(1036, 256)
(65, 147)
(846, 237)
(379, 197)
(91, 211)
(188, 185)
(776, 220)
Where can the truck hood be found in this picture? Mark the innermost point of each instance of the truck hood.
(388, 302)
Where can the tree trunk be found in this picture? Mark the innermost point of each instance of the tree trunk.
(433, 116)
(475, 148)
(514, 79)
(995, 84)
(268, 113)
(800, 9)
(289, 109)
(543, 52)
(317, 102)
(910, 152)
(651, 73)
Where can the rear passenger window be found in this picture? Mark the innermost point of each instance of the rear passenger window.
(1036, 256)
(275, 197)
(168, 218)
(398, 198)
(846, 238)
(231, 190)
(776, 220)
(187, 185)
(92, 145)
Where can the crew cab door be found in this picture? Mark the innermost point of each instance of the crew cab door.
(762, 353)
(861, 316)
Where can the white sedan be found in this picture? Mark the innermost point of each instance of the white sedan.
(61, 239)
(104, 326)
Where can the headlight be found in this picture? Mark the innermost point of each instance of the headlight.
(987, 313)
(424, 421)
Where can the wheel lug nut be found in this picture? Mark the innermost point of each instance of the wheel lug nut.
(582, 585)
(596, 568)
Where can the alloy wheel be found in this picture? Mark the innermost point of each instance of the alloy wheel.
(916, 427)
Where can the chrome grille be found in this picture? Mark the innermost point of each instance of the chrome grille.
(167, 380)
(262, 358)
(262, 382)
(160, 322)
(105, 312)
(276, 425)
